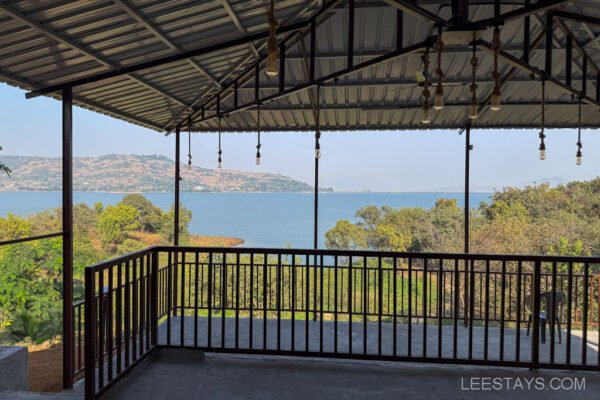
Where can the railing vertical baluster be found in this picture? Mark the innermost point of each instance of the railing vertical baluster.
(471, 306)
(197, 299)
(518, 324)
(79, 347)
(379, 302)
(335, 304)
(293, 305)
(502, 309)
(365, 295)
(119, 321)
(486, 333)
(569, 311)
(321, 295)
(251, 322)
(350, 304)
(409, 333)
(101, 329)
(149, 300)
(552, 312)
(535, 337)
(584, 337)
(182, 305)
(265, 297)
(307, 294)
(90, 334)
(424, 307)
(210, 298)
(456, 309)
(142, 316)
(223, 296)
(395, 308)
(134, 311)
(109, 327)
(440, 296)
(278, 299)
(237, 301)
(154, 298)
(128, 313)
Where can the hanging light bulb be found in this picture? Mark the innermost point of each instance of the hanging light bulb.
(425, 119)
(495, 100)
(272, 67)
(438, 102)
(579, 157)
(220, 159)
(258, 130)
(542, 148)
(541, 134)
(473, 109)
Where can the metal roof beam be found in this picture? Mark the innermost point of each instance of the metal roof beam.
(156, 31)
(411, 7)
(530, 69)
(565, 15)
(168, 59)
(49, 32)
(324, 79)
(522, 12)
(238, 24)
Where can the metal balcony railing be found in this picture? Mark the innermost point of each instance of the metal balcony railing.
(439, 308)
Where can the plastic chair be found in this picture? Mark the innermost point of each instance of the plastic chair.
(548, 310)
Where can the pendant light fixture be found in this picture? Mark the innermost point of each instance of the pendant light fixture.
(272, 66)
(258, 132)
(425, 119)
(495, 100)
(190, 142)
(579, 157)
(542, 135)
(473, 109)
(438, 102)
(220, 160)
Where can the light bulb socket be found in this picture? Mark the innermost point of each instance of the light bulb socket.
(495, 100)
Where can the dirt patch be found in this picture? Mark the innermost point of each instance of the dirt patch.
(45, 367)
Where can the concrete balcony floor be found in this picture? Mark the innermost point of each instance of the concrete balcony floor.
(181, 374)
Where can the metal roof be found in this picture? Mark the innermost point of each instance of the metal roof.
(45, 43)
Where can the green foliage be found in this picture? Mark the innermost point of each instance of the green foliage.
(114, 222)
(168, 219)
(149, 216)
(564, 220)
(31, 273)
(29, 328)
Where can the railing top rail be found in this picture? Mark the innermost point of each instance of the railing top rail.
(385, 254)
(121, 259)
(31, 238)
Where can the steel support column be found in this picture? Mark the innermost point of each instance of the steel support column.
(67, 222)
(177, 181)
(468, 148)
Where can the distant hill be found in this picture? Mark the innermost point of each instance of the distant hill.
(136, 173)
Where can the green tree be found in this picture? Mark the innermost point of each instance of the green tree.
(345, 235)
(115, 222)
(149, 215)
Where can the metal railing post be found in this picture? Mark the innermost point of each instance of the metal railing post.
(535, 336)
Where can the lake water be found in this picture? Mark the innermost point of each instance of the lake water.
(261, 219)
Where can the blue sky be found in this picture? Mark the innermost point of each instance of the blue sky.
(376, 161)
